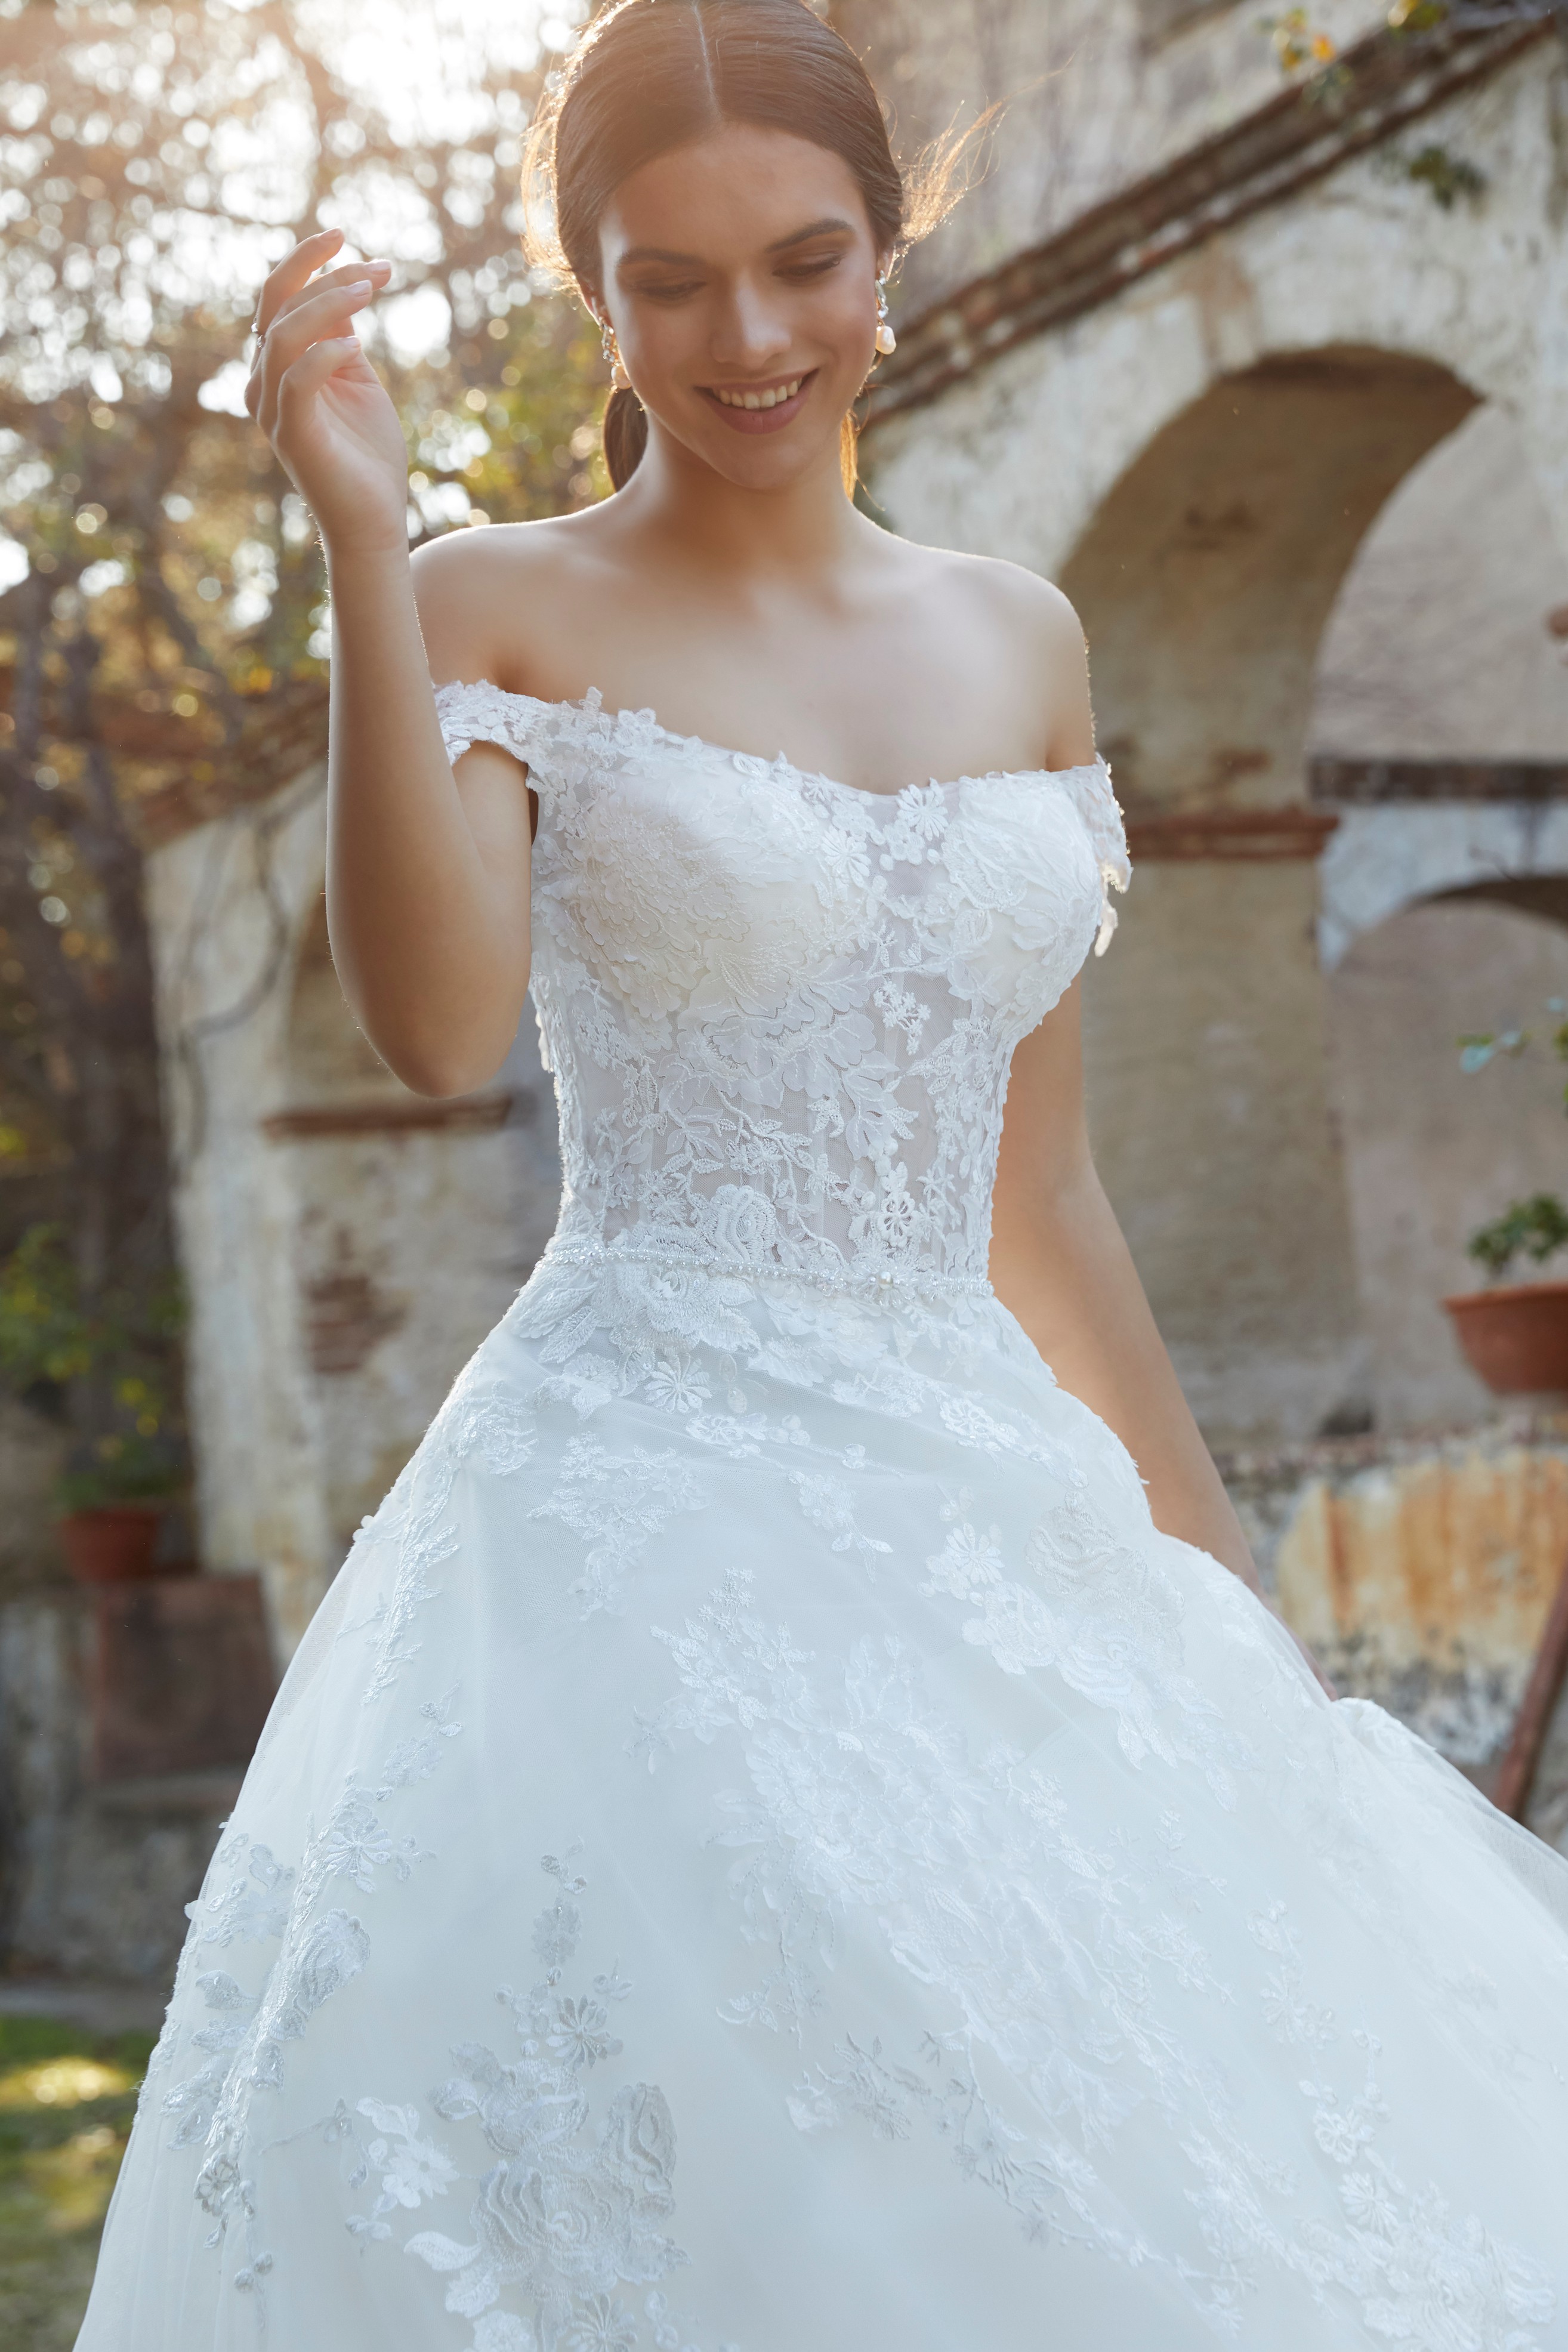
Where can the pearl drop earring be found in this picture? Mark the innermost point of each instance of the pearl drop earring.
(619, 379)
(886, 342)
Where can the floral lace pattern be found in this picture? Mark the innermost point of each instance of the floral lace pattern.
(781, 1011)
(988, 1916)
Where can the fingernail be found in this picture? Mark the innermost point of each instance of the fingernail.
(378, 265)
(360, 286)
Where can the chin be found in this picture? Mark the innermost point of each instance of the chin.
(775, 467)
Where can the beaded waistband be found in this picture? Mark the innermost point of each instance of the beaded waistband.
(886, 1283)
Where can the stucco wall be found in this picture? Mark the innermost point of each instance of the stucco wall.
(342, 1265)
(1199, 460)
(1093, 93)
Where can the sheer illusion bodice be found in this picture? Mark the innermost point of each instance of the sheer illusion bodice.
(781, 1010)
(765, 1847)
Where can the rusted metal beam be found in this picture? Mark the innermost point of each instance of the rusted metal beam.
(1249, 835)
(474, 1114)
(1370, 784)
(1300, 136)
(1511, 1792)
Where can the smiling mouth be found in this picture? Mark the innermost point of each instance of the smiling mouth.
(748, 395)
(759, 407)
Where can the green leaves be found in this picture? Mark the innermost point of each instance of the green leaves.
(51, 1339)
(1536, 1229)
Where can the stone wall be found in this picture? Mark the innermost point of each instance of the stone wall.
(94, 1873)
(1093, 93)
(1421, 1570)
(347, 1244)
(1198, 459)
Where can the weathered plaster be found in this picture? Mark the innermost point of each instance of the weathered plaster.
(435, 1231)
(1198, 461)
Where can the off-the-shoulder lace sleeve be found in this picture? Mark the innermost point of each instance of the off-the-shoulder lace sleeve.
(483, 713)
(1089, 790)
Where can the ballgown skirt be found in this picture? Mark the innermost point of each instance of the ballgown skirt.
(764, 1846)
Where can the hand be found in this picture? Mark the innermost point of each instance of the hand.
(321, 404)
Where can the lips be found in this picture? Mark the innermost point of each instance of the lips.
(784, 403)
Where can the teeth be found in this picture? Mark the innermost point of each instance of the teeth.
(759, 399)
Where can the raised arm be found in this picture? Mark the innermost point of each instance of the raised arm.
(427, 864)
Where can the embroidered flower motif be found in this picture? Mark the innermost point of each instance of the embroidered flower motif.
(788, 1008)
(616, 1503)
(567, 2216)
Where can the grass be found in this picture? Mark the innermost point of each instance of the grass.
(66, 2103)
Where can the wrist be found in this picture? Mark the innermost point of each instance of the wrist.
(375, 559)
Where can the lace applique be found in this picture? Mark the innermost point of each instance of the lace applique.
(486, 1423)
(828, 1504)
(781, 1012)
(861, 1800)
(571, 2213)
(615, 1502)
(1420, 2273)
(250, 1897)
(1103, 1615)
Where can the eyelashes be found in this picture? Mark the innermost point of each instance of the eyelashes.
(798, 274)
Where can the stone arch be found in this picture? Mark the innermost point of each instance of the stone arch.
(1380, 860)
(1207, 573)
(1204, 580)
(1194, 446)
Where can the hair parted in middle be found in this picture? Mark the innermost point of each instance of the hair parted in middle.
(649, 76)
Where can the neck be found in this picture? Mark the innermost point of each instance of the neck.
(679, 499)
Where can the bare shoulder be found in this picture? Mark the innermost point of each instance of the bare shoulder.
(1033, 641)
(468, 586)
(1031, 611)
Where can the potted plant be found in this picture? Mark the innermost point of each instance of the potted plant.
(112, 1358)
(1515, 1334)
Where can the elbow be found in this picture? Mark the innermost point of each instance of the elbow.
(443, 1060)
(441, 1075)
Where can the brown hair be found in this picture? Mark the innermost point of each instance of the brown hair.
(651, 75)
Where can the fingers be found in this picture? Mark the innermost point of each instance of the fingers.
(350, 273)
(295, 271)
(299, 383)
(322, 315)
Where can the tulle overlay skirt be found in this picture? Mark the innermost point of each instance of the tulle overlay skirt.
(764, 1846)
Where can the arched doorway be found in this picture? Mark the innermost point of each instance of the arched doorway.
(1204, 582)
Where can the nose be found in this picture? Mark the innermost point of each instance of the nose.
(751, 330)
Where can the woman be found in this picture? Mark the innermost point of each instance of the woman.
(781, 1836)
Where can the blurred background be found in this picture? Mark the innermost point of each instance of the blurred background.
(1254, 333)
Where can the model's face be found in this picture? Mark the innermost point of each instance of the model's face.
(739, 277)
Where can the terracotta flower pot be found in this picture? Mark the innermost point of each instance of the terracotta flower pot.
(112, 1544)
(1515, 1335)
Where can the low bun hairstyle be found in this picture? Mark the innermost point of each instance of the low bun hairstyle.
(648, 76)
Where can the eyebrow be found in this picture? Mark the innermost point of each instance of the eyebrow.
(828, 226)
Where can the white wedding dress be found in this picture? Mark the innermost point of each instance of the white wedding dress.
(764, 1847)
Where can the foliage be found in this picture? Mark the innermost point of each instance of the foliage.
(51, 1338)
(162, 632)
(1299, 44)
(1447, 176)
(1536, 1228)
(1302, 47)
(67, 2098)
